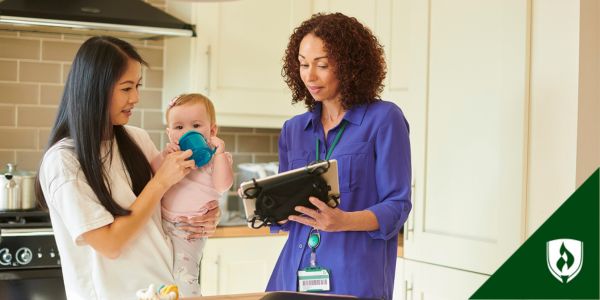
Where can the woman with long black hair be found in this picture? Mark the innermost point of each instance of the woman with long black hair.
(97, 183)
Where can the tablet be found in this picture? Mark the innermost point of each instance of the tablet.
(330, 176)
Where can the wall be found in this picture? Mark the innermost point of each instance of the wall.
(33, 70)
(588, 135)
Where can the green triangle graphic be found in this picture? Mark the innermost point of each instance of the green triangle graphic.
(528, 274)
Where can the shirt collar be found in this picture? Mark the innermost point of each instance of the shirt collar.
(354, 115)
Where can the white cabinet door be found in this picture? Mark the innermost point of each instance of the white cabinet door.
(416, 280)
(237, 58)
(468, 113)
(239, 265)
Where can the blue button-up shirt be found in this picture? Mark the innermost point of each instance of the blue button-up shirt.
(374, 170)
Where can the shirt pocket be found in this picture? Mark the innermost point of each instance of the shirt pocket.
(297, 159)
(354, 161)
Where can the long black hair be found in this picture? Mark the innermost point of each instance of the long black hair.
(84, 116)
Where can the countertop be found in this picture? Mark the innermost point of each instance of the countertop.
(274, 295)
(251, 296)
(245, 231)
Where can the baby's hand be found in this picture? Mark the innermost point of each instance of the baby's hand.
(219, 143)
(170, 148)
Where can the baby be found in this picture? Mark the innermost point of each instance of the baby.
(190, 196)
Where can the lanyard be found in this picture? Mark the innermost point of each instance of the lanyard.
(314, 239)
(335, 141)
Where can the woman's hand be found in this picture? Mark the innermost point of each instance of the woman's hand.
(218, 143)
(334, 219)
(323, 218)
(174, 167)
(201, 226)
(170, 148)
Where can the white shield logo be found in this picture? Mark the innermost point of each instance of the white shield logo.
(564, 258)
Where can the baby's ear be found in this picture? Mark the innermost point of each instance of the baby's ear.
(213, 130)
(169, 135)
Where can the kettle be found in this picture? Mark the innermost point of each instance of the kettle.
(17, 189)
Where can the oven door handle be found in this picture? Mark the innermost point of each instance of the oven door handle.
(30, 274)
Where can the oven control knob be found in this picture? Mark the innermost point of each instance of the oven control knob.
(5, 257)
(24, 256)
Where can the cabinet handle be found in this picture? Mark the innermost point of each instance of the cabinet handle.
(208, 69)
(218, 263)
(408, 290)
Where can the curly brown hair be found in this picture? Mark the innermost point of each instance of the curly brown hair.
(360, 60)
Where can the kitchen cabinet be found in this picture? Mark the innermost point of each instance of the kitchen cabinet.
(418, 280)
(239, 265)
(236, 59)
(468, 114)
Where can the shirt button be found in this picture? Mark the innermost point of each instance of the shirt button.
(300, 246)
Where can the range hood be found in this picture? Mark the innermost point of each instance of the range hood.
(121, 18)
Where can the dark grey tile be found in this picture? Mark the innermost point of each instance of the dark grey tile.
(235, 129)
(229, 140)
(275, 144)
(263, 158)
(240, 159)
(268, 130)
(253, 143)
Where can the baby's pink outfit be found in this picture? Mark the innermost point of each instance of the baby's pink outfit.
(190, 195)
(187, 198)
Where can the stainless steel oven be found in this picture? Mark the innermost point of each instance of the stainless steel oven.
(29, 259)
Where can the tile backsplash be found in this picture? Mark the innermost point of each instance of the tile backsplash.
(33, 70)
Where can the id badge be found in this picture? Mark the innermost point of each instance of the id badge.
(313, 279)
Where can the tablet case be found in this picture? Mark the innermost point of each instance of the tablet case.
(263, 201)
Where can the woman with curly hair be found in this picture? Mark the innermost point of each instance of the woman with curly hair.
(336, 66)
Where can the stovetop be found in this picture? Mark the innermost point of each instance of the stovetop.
(27, 241)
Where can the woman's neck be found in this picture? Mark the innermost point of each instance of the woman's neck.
(331, 115)
(332, 112)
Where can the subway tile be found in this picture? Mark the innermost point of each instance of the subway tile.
(253, 143)
(153, 78)
(40, 72)
(154, 57)
(164, 139)
(7, 116)
(241, 159)
(8, 70)
(267, 130)
(7, 33)
(150, 99)
(275, 144)
(6, 156)
(19, 48)
(36, 116)
(263, 158)
(59, 50)
(75, 37)
(65, 72)
(229, 140)
(153, 120)
(17, 138)
(235, 129)
(135, 119)
(43, 136)
(51, 94)
(29, 160)
(45, 35)
(156, 138)
(19, 93)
